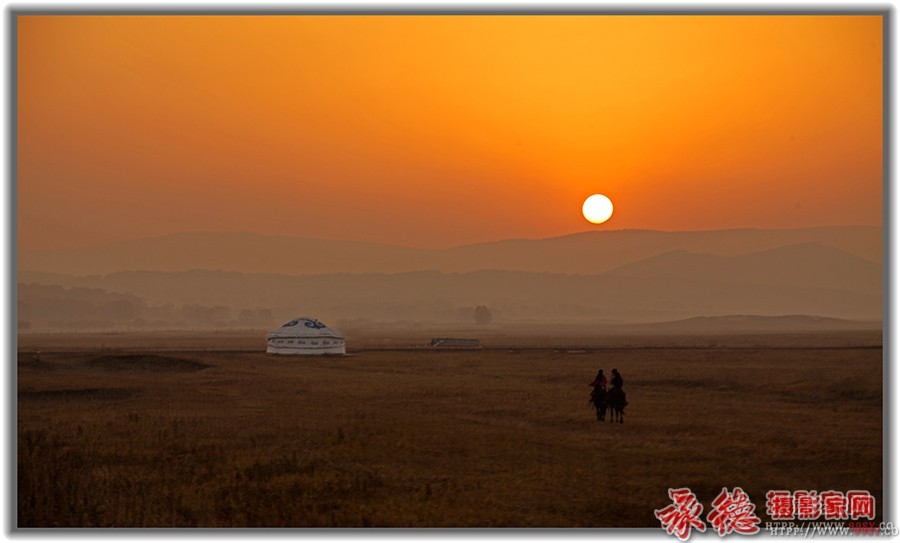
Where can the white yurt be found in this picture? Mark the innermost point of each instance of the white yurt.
(305, 335)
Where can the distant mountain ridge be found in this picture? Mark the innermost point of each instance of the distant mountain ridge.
(625, 276)
(753, 323)
(513, 295)
(580, 253)
(804, 265)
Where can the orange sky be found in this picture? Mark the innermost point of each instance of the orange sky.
(437, 130)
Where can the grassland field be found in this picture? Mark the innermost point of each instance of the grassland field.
(206, 430)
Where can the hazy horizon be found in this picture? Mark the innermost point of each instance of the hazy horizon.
(625, 275)
(62, 245)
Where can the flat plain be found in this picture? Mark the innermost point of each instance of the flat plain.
(187, 430)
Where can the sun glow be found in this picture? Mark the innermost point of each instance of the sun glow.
(597, 209)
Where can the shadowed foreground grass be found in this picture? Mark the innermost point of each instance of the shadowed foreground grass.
(411, 438)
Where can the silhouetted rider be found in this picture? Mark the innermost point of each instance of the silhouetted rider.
(617, 380)
(599, 381)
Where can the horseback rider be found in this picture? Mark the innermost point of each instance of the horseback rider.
(598, 395)
(617, 380)
(617, 383)
(599, 381)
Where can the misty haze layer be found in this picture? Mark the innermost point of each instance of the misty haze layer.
(248, 280)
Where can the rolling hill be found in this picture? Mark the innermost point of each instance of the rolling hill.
(802, 265)
(598, 277)
(583, 253)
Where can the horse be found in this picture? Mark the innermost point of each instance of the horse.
(598, 398)
(615, 402)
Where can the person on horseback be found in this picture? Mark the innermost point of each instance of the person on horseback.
(598, 395)
(616, 401)
(599, 381)
(617, 380)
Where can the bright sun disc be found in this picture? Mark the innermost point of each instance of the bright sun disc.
(597, 209)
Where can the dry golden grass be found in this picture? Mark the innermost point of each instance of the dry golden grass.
(413, 438)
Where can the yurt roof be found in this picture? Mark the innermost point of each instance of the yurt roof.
(305, 327)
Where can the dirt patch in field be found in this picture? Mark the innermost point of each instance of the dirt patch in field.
(145, 362)
(80, 394)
